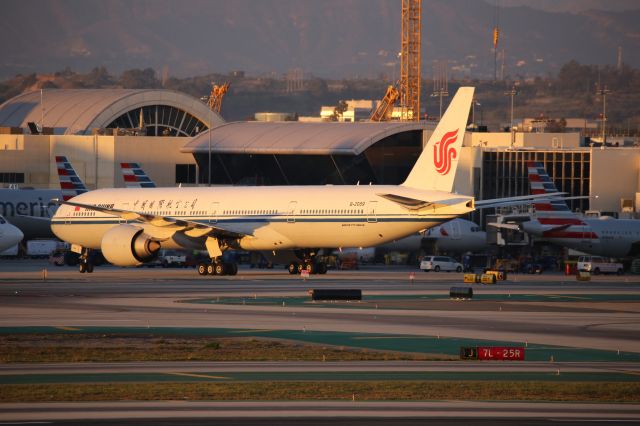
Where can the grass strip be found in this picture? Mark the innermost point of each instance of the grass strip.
(135, 347)
(315, 391)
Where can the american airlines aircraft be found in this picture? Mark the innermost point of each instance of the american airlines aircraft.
(31, 209)
(135, 177)
(458, 235)
(553, 221)
(130, 225)
(9, 235)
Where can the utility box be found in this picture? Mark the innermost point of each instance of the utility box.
(461, 293)
(336, 294)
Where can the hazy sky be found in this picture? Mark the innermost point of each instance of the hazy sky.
(571, 5)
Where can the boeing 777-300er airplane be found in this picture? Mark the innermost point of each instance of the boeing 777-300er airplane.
(553, 221)
(31, 209)
(130, 225)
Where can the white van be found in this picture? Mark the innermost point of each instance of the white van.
(599, 265)
(440, 263)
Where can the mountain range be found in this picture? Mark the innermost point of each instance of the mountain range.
(329, 38)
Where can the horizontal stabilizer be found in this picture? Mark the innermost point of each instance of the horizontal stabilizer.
(415, 204)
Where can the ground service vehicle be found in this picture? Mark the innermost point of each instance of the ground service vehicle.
(440, 263)
(599, 265)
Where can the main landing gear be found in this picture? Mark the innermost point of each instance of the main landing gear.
(308, 265)
(86, 263)
(217, 268)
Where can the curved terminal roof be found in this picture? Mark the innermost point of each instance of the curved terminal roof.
(291, 137)
(78, 111)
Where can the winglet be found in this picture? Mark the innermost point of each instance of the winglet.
(436, 166)
(70, 182)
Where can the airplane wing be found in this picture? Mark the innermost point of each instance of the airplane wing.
(188, 227)
(513, 201)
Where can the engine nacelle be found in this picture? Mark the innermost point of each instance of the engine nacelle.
(127, 245)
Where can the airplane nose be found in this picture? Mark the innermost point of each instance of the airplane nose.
(16, 235)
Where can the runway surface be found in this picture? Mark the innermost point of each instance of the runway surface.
(591, 328)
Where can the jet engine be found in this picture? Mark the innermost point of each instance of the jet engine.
(127, 245)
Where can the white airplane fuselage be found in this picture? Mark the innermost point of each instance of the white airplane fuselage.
(270, 218)
(9, 235)
(603, 237)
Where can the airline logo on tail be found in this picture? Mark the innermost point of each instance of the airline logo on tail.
(70, 182)
(436, 166)
(135, 177)
(444, 153)
(555, 215)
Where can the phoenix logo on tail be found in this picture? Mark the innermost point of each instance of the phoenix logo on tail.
(70, 182)
(443, 152)
(135, 177)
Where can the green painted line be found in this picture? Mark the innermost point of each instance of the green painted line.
(312, 377)
(447, 346)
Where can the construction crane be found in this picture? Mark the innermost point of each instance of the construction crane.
(215, 98)
(408, 91)
(385, 107)
(410, 60)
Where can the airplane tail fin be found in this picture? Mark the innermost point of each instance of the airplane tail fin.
(70, 182)
(135, 177)
(549, 211)
(436, 166)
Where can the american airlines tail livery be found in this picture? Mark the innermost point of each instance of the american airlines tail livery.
(130, 225)
(555, 222)
(135, 177)
(30, 210)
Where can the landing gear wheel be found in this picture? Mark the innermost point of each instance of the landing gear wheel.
(293, 268)
(310, 267)
(211, 269)
(232, 268)
(82, 267)
(89, 267)
(219, 269)
(202, 269)
(321, 268)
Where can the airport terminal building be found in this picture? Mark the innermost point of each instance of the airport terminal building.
(168, 134)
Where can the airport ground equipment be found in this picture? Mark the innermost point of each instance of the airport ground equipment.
(488, 279)
(461, 293)
(335, 294)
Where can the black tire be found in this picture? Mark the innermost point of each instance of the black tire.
(322, 268)
(619, 271)
(436, 268)
(232, 269)
(459, 269)
(293, 268)
(311, 268)
(82, 267)
(202, 269)
(210, 269)
(220, 269)
(596, 271)
(89, 268)
(165, 264)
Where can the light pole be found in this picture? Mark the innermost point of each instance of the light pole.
(602, 91)
(473, 113)
(513, 92)
(210, 121)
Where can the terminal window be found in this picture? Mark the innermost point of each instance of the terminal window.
(185, 173)
(11, 177)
